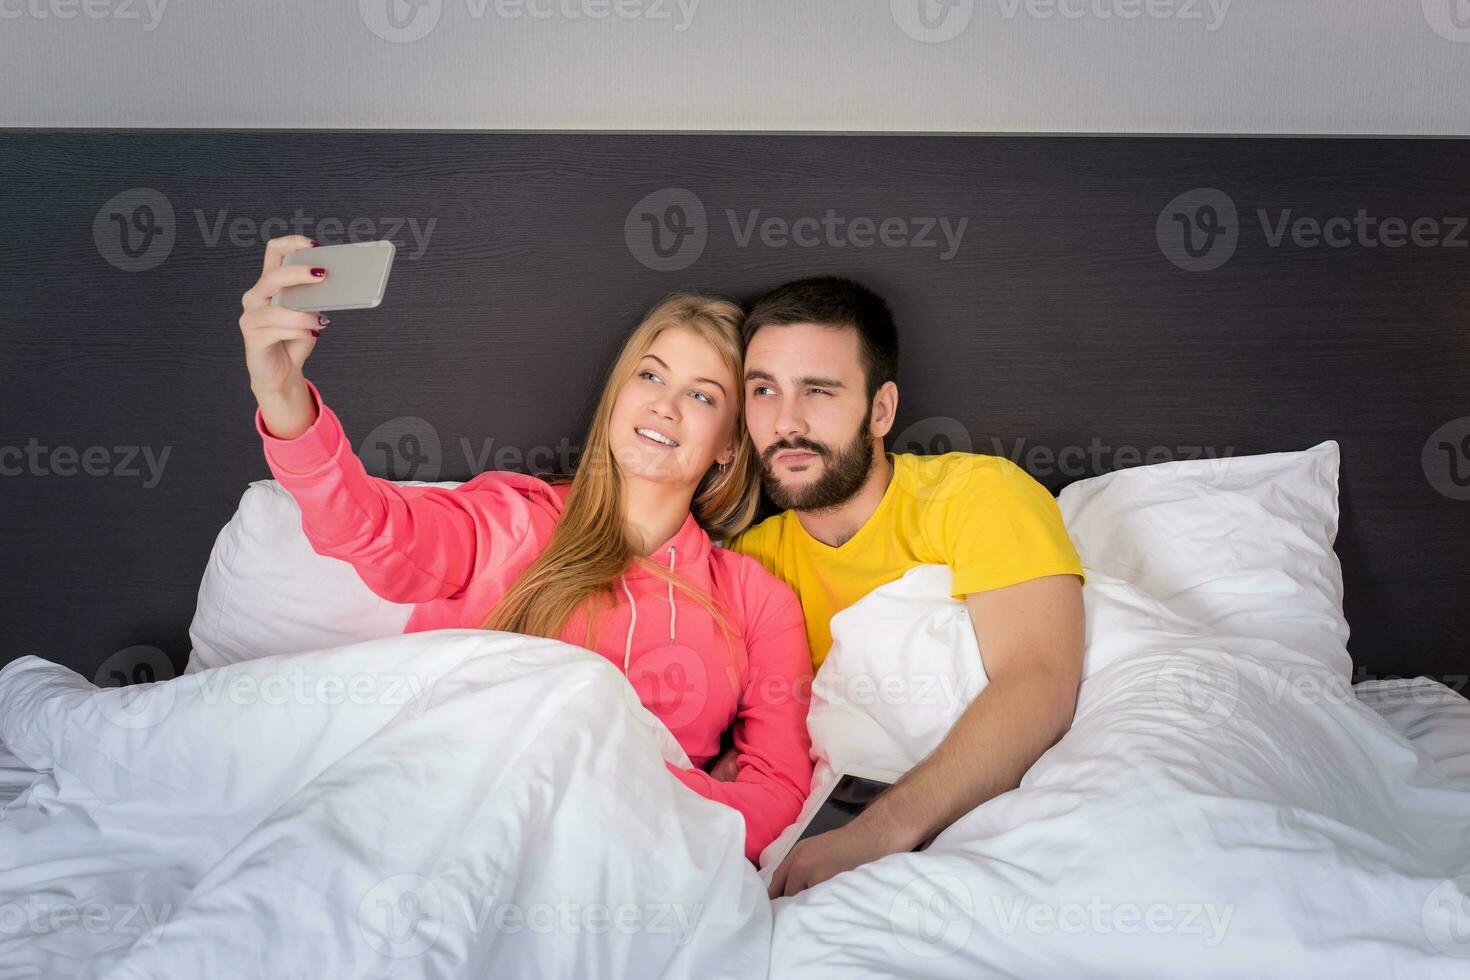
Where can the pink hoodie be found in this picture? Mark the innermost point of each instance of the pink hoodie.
(453, 552)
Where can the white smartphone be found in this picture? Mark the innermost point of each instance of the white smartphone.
(357, 275)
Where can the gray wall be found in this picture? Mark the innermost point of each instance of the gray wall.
(1173, 66)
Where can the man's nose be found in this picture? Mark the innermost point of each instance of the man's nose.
(789, 421)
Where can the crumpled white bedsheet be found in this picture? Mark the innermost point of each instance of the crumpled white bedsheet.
(454, 803)
(1223, 806)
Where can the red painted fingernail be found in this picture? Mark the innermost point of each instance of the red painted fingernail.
(316, 333)
(318, 272)
(315, 243)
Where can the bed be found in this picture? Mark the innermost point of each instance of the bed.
(1226, 802)
(1253, 448)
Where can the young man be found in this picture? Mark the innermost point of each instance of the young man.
(821, 358)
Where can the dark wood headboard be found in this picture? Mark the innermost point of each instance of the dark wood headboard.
(1046, 296)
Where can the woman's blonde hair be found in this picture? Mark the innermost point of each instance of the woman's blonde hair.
(589, 546)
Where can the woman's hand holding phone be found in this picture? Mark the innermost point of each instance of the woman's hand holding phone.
(279, 340)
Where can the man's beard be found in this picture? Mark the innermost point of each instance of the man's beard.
(842, 477)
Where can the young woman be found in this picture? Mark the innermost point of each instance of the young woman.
(618, 560)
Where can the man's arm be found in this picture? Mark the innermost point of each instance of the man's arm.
(1030, 636)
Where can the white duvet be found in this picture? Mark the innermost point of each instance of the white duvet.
(448, 804)
(469, 804)
(1223, 806)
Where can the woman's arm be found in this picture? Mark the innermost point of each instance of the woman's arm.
(409, 544)
(771, 741)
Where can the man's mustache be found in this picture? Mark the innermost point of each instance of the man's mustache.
(801, 445)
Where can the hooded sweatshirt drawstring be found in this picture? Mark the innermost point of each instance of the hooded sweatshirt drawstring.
(633, 605)
(672, 612)
(632, 622)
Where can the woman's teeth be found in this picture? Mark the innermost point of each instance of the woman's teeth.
(650, 434)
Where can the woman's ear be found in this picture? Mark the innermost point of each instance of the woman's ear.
(727, 457)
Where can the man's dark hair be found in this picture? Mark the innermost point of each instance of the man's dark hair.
(838, 302)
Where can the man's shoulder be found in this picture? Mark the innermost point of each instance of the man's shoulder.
(761, 539)
(962, 477)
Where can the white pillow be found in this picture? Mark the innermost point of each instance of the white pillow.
(1240, 546)
(1218, 555)
(903, 666)
(265, 591)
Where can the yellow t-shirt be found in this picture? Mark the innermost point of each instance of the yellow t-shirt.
(984, 516)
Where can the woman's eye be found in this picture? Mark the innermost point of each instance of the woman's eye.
(648, 374)
(700, 394)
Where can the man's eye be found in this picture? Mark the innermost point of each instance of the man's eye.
(761, 388)
(821, 391)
